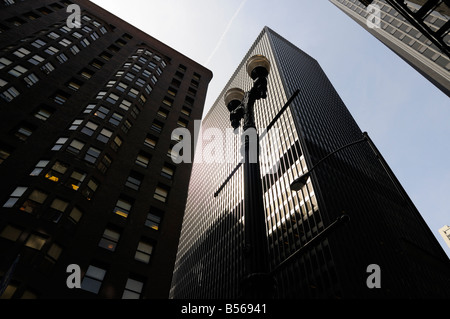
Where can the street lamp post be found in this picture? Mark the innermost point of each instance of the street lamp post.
(258, 283)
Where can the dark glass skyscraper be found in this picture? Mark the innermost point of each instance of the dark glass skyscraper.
(86, 121)
(385, 229)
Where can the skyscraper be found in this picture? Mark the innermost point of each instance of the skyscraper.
(87, 114)
(445, 233)
(403, 38)
(385, 229)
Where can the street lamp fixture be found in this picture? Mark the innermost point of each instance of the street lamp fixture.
(258, 283)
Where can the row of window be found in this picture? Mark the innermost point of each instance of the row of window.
(94, 275)
(51, 50)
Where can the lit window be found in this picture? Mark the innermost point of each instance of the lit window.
(76, 179)
(154, 218)
(109, 239)
(157, 126)
(112, 98)
(93, 278)
(133, 289)
(102, 112)
(35, 199)
(123, 207)
(57, 171)
(143, 252)
(91, 188)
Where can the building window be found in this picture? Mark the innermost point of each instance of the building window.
(157, 126)
(10, 94)
(109, 239)
(143, 252)
(5, 152)
(143, 160)
(39, 168)
(125, 105)
(168, 171)
(35, 199)
(36, 59)
(134, 180)
(75, 215)
(4, 63)
(18, 71)
(61, 97)
(90, 189)
(126, 126)
(43, 114)
(161, 193)
(47, 68)
(57, 171)
(151, 141)
(153, 220)
(59, 143)
(75, 147)
(14, 197)
(116, 143)
(92, 154)
(182, 123)
(123, 207)
(93, 279)
(115, 119)
(102, 112)
(23, 133)
(76, 179)
(186, 111)
(11, 233)
(133, 289)
(89, 128)
(31, 79)
(53, 253)
(163, 113)
(36, 241)
(21, 52)
(104, 135)
(104, 164)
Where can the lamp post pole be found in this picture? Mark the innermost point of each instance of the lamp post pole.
(258, 283)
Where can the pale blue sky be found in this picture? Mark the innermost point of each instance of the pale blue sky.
(405, 115)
